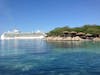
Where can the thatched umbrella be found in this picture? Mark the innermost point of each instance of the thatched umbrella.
(65, 33)
(88, 34)
(73, 32)
(96, 35)
(80, 34)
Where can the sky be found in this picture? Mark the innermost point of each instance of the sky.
(45, 15)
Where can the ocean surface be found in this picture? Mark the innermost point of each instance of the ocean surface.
(40, 57)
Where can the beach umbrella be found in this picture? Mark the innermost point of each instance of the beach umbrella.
(88, 34)
(80, 33)
(65, 32)
(73, 32)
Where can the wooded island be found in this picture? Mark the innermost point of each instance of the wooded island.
(86, 32)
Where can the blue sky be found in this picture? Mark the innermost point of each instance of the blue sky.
(28, 15)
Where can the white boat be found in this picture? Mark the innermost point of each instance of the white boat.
(16, 34)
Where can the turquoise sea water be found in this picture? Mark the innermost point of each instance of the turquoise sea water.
(40, 57)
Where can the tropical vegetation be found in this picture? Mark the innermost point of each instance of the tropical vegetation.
(92, 29)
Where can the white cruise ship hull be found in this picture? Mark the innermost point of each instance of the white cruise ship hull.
(8, 38)
(22, 35)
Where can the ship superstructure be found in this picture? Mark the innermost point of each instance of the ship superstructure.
(16, 34)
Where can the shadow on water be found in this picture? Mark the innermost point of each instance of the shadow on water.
(40, 57)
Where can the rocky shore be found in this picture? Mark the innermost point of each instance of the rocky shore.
(96, 39)
(76, 38)
(64, 38)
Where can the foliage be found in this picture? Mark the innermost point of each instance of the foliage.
(92, 29)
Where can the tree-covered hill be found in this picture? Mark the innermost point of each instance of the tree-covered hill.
(92, 29)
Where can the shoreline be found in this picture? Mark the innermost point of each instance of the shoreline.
(54, 38)
(77, 38)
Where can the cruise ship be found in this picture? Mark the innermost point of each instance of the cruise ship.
(16, 34)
